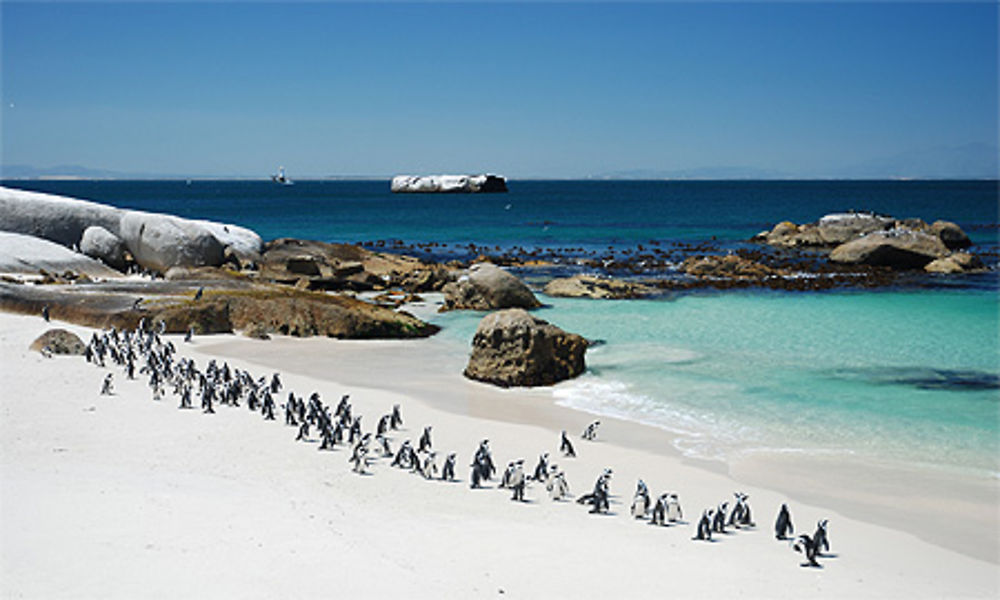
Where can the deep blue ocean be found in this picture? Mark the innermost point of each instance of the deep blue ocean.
(898, 374)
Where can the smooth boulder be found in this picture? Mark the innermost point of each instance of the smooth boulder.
(485, 286)
(99, 243)
(958, 262)
(30, 255)
(161, 241)
(513, 348)
(950, 234)
(897, 249)
(58, 341)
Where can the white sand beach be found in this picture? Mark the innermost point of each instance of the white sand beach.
(125, 497)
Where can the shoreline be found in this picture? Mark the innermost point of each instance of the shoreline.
(174, 490)
(892, 494)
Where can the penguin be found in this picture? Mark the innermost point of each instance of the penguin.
(189, 335)
(820, 540)
(107, 387)
(566, 447)
(542, 468)
(360, 459)
(674, 513)
(303, 431)
(557, 486)
(425, 440)
(448, 470)
(429, 468)
(45, 313)
(719, 521)
(659, 516)
(383, 443)
(599, 499)
(476, 475)
(517, 482)
(198, 294)
(640, 502)
(505, 478)
(402, 459)
(807, 546)
(590, 433)
(396, 420)
(705, 526)
(783, 525)
(383, 425)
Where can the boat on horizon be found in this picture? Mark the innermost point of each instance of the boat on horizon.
(281, 178)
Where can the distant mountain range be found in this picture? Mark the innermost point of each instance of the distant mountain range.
(969, 161)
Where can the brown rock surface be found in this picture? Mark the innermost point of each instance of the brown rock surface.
(590, 286)
(58, 341)
(898, 249)
(512, 348)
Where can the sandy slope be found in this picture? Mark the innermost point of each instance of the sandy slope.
(123, 497)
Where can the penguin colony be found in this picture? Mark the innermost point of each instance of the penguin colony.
(144, 352)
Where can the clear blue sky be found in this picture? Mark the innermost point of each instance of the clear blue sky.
(522, 89)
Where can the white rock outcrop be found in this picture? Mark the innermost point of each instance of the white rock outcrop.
(25, 254)
(449, 183)
(97, 242)
(156, 241)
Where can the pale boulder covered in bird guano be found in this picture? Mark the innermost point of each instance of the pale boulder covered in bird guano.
(513, 348)
(448, 183)
(602, 288)
(485, 286)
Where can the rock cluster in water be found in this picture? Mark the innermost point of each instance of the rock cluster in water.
(878, 240)
(513, 348)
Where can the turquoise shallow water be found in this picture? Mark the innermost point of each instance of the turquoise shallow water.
(899, 376)
(893, 375)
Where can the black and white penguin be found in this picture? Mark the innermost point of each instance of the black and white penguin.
(189, 335)
(395, 420)
(429, 467)
(590, 433)
(517, 481)
(807, 546)
(107, 386)
(820, 539)
(566, 447)
(542, 468)
(45, 313)
(705, 526)
(674, 513)
(448, 470)
(640, 501)
(557, 486)
(425, 440)
(783, 524)
(659, 516)
(719, 521)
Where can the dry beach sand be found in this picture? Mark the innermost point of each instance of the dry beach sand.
(125, 497)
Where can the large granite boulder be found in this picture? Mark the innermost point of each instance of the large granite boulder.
(897, 248)
(156, 241)
(97, 242)
(950, 234)
(55, 218)
(30, 255)
(590, 286)
(485, 286)
(58, 341)
(159, 242)
(448, 183)
(512, 348)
